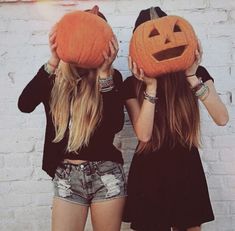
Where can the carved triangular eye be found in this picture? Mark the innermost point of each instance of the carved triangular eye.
(177, 28)
(153, 33)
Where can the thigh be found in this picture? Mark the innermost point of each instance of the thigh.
(197, 228)
(68, 216)
(107, 215)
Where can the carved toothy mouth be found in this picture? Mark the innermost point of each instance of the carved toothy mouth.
(169, 53)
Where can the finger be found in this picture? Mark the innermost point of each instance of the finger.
(112, 49)
(137, 77)
(54, 46)
(198, 56)
(142, 73)
(106, 57)
(115, 43)
(52, 37)
(135, 70)
(130, 63)
(53, 30)
(200, 47)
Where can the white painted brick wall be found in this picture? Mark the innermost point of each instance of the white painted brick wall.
(25, 190)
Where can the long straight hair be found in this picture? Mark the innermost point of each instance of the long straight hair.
(76, 105)
(177, 118)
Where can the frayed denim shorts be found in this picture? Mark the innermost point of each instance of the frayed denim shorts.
(88, 182)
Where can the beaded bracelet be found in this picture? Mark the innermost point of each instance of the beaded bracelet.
(151, 99)
(201, 90)
(198, 86)
(106, 84)
(48, 70)
(52, 65)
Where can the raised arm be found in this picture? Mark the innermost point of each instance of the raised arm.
(213, 103)
(211, 99)
(39, 87)
(142, 116)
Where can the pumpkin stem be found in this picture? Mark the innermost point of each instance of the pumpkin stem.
(153, 13)
(95, 10)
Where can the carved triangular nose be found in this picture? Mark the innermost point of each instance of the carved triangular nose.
(167, 40)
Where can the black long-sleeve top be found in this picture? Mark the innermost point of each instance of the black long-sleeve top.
(100, 145)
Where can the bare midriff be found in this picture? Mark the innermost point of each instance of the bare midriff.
(74, 161)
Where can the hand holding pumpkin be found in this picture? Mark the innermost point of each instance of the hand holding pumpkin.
(198, 57)
(54, 59)
(191, 71)
(151, 83)
(105, 69)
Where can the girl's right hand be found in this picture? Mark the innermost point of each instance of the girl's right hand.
(54, 60)
(151, 83)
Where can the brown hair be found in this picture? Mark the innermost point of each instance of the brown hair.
(177, 117)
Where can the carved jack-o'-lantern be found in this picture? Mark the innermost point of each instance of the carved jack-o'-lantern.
(163, 45)
(82, 37)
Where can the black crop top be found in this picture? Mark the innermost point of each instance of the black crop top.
(101, 142)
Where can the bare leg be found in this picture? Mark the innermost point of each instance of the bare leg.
(68, 216)
(107, 215)
(198, 228)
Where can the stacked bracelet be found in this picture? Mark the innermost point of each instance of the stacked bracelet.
(106, 84)
(201, 90)
(151, 99)
(52, 65)
(49, 68)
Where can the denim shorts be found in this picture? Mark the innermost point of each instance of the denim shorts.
(89, 182)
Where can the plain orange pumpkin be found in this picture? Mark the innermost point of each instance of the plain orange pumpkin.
(82, 37)
(163, 45)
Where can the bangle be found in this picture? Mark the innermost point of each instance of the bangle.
(106, 89)
(201, 91)
(48, 70)
(151, 99)
(52, 65)
(190, 75)
(205, 95)
(198, 86)
(106, 84)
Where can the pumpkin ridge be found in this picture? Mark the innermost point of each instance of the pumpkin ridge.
(76, 41)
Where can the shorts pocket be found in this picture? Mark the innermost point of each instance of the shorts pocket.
(107, 167)
(61, 171)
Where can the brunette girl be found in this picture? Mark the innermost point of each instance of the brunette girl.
(167, 188)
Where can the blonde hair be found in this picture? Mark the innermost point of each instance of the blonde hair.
(76, 104)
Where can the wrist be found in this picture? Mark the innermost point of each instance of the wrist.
(151, 98)
(54, 61)
(151, 90)
(193, 81)
(104, 74)
(49, 69)
(106, 84)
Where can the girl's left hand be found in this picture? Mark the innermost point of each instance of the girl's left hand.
(198, 57)
(104, 70)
